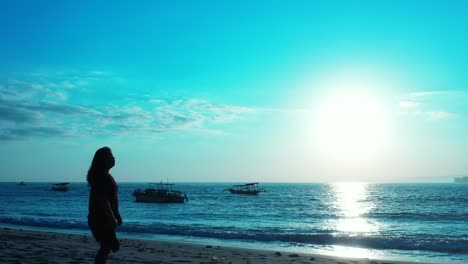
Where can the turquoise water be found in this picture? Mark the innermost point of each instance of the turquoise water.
(418, 222)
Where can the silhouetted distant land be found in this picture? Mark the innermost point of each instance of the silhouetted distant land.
(461, 179)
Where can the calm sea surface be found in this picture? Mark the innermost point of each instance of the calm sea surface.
(418, 222)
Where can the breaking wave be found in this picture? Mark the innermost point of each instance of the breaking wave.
(414, 242)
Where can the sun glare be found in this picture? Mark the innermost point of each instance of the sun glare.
(350, 125)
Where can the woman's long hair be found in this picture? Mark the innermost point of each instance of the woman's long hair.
(98, 166)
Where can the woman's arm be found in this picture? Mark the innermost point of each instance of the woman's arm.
(114, 203)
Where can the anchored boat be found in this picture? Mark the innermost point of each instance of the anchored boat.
(461, 179)
(159, 193)
(248, 188)
(61, 187)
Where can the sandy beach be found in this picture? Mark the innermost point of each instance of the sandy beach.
(24, 246)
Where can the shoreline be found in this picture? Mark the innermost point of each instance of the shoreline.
(26, 246)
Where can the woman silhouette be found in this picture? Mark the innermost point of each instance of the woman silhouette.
(103, 214)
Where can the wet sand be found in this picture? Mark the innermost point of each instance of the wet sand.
(22, 246)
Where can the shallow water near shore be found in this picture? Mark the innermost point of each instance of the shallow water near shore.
(416, 222)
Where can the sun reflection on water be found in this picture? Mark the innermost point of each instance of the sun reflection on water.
(352, 203)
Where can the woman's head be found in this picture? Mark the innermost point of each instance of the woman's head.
(102, 162)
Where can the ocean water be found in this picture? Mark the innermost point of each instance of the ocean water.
(417, 222)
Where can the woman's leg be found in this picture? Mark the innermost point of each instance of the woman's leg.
(101, 255)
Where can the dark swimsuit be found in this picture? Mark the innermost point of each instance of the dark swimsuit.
(101, 220)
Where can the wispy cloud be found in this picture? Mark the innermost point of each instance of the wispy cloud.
(11, 113)
(63, 109)
(441, 115)
(29, 132)
(433, 93)
(42, 109)
(431, 104)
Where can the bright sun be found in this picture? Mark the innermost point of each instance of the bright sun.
(350, 125)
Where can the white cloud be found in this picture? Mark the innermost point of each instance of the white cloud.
(196, 112)
(68, 85)
(432, 93)
(438, 115)
(39, 106)
(56, 95)
(157, 101)
(436, 105)
(100, 73)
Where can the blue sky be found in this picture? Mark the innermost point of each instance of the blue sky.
(235, 90)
